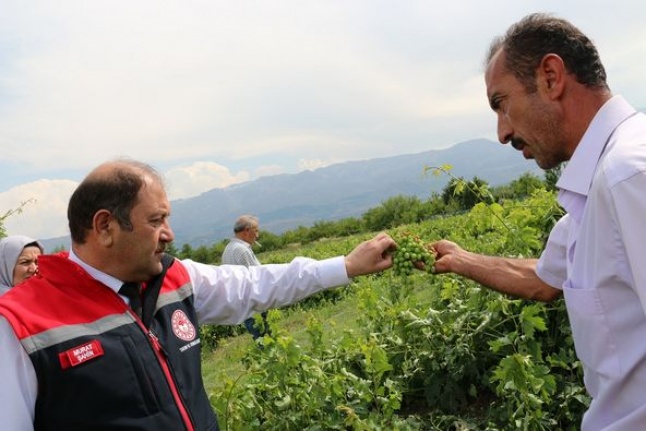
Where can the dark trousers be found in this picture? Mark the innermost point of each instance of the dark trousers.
(258, 330)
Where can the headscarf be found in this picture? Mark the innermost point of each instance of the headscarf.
(10, 249)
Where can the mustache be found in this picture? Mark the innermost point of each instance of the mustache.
(517, 143)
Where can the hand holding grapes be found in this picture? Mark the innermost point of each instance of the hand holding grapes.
(445, 252)
(411, 254)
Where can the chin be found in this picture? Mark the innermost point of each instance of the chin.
(546, 164)
(155, 269)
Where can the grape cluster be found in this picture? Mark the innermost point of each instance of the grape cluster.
(410, 253)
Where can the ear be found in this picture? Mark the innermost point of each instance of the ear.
(103, 227)
(551, 76)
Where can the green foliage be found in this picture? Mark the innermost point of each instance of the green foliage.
(464, 194)
(433, 352)
(211, 335)
(552, 176)
(394, 212)
(269, 241)
(521, 188)
(346, 387)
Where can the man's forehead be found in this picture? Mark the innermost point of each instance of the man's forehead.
(496, 73)
(496, 66)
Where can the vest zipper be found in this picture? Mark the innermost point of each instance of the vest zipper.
(161, 355)
(161, 358)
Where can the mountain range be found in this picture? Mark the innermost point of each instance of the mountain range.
(286, 201)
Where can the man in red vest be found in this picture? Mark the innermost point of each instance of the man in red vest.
(107, 336)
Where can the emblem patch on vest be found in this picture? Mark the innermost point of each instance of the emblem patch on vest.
(182, 327)
(80, 354)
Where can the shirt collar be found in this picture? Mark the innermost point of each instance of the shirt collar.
(577, 175)
(113, 283)
(241, 241)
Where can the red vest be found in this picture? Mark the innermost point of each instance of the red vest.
(98, 367)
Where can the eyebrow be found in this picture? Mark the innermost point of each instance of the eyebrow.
(494, 101)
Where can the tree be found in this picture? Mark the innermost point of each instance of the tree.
(269, 241)
(187, 252)
(394, 212)
(466, 193)
(520, 188)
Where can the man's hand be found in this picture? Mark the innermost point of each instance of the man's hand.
(370, 256)
(445, 253)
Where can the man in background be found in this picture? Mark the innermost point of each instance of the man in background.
(239, 252)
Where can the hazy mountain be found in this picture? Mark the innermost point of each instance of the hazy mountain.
(284, 202)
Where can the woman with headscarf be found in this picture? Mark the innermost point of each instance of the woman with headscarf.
(18, 260)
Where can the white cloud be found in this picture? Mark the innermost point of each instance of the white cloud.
(261, 85)
(45, 213)
(188, 181)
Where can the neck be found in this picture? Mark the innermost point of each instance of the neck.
(579, 111)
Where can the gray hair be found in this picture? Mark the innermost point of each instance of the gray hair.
(244, 222)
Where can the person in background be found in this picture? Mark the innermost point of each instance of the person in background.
(547, 85)
(113, 342)
(239, 252)
(18, 260)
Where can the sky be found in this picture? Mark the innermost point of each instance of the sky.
(214, 93)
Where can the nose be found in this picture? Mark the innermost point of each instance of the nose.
(505, 132)
(167, 233)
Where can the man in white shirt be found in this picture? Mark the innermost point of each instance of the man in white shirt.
(75, 356)
(547, 86)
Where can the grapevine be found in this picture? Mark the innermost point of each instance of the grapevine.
(411, 254)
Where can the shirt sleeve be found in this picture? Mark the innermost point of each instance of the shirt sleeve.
(229, 294)
(19, 387)
(552, 265)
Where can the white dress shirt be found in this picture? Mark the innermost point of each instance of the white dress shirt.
(225, 294)
(596, 254)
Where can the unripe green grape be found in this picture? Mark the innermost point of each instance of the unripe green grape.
(410, 252)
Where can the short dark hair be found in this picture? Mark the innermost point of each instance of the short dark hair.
(116, 192)
(530, 39)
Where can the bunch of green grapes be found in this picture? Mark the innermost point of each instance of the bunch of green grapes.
(410, 253)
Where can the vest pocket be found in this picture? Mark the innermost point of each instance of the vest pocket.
(142, 377)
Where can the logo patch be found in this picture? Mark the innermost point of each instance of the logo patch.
(182, 327)
(80, 354)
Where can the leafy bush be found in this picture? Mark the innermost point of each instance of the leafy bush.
(433, 352)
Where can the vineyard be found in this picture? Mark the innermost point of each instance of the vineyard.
(418, 352)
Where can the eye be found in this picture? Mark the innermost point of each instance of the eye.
(496, 103)
(158, 221)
